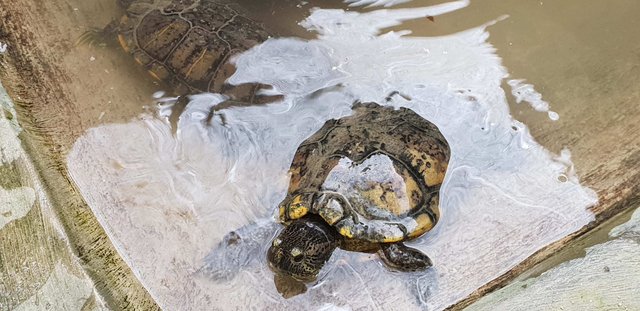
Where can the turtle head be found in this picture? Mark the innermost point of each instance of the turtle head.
(302, 248)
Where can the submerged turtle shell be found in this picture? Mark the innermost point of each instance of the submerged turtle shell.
(188, 42)
(418, 151)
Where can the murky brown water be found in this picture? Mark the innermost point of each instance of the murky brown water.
(581, 57)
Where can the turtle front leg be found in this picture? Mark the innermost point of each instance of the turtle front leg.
(403, 258)
(99, 37)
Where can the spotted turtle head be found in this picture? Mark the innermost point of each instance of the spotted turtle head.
(302, 248)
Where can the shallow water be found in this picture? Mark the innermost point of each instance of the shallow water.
(167, 196)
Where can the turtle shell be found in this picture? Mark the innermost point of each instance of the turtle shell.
(374, 175)
(188, 42)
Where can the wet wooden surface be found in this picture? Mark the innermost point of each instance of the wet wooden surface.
(35, 71)
(37, 267)
(586, 63)
(605, 277)
(46, 76)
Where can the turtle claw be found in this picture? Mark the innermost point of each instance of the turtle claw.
(98, 36)
(92, 37)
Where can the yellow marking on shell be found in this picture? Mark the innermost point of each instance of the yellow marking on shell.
(296, 208)
(281, 211)
(204, 52)
(411, 187)
(154, 75)
(139, 61)
(329, 215)
(297, 200)
(385, 199)
(433, 175)
(442, 171)
(392, 239)
(345, 231)
(158, 71)
(297, 212)
(424, 224)
(165, 29)
(123, 43)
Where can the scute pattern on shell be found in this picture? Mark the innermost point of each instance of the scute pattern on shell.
(188, 42)
(419, 151)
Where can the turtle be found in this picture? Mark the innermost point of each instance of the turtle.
(187, 43)
(326, 207)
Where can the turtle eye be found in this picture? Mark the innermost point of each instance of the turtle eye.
(296, 254)
(276, 242)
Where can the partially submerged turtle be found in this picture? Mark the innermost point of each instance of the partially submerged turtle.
(187, 43)
(326, 207)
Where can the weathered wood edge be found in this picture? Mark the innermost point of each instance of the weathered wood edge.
(627, 196)
(32, 80)
(77, 215)
(33, 240)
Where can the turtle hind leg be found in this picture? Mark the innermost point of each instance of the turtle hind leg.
(403, 258)
(99, 37)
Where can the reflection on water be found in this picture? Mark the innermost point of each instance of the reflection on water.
(168, 201)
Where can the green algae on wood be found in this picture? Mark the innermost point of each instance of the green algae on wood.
(37, 267)
(30, 244)
(34, 78)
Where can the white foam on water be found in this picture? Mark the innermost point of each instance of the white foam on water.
(525, 92)
(166, 201)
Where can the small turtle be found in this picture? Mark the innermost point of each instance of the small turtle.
(372, 209)
(187, 43)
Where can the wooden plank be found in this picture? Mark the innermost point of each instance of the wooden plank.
(37, 266)
(612, 265)
(35, 69)
(596, 99)
(585, 60)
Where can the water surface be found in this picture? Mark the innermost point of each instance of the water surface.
(168, 194)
